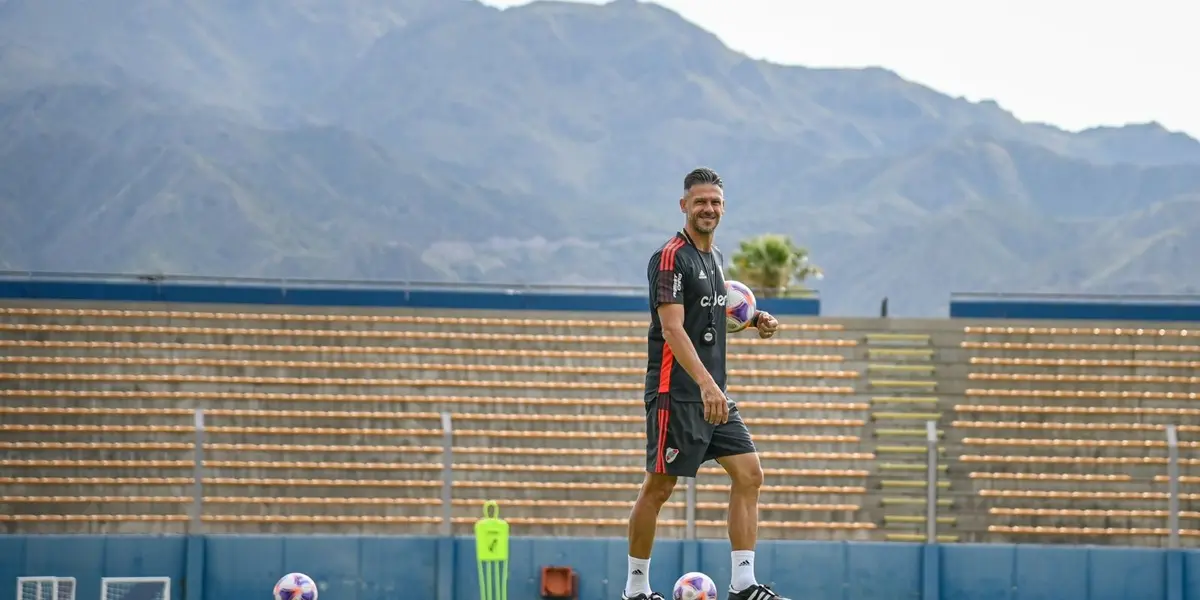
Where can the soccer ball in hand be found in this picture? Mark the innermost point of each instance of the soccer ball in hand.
(296, 586)
(695, 586)
(740, 306)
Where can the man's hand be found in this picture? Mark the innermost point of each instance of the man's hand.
(766, 324)
(716, 405)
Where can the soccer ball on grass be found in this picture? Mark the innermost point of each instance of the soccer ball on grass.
(296, 586)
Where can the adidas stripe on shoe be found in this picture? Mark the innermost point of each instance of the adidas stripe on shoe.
(756, 592)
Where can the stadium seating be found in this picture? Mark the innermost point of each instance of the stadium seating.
(1062, 430)
(902, 380)
(331, 422)
(326, 420)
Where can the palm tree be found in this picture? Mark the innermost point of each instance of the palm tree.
(773, 266)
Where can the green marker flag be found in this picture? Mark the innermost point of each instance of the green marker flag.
(491, 553)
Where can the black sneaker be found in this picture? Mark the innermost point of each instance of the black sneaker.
(756, 592)
(652, 596)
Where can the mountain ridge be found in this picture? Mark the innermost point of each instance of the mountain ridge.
(419, 139)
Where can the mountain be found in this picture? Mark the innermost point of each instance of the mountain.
(188, 190)
(447, 140)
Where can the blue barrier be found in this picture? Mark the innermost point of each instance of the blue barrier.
(348, 296)
(89, 557)
(221, 567)
(1077, 309)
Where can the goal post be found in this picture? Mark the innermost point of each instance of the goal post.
(45, 588)
(135, 588)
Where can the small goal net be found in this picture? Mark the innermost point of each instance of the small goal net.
(45, 588)
(135, 588)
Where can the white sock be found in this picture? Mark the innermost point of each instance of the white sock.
(638, 581)
(743, 570)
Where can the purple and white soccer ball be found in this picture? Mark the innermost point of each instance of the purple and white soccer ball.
(296, 586)
(695, 586)
(740, 306)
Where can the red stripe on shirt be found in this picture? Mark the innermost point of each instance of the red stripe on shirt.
(666, 260)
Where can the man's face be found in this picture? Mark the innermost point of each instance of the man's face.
(704, 205)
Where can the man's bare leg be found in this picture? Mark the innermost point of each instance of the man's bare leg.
(746, 479)
(643, 521)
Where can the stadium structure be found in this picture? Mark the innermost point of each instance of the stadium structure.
(1049, 441)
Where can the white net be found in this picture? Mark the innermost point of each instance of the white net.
(46, 588)
(135, 588)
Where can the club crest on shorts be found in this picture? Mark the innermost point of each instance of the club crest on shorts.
(670, 454)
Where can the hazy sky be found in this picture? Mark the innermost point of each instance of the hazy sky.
(1072, 63)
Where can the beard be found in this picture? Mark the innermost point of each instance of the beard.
(695, 222)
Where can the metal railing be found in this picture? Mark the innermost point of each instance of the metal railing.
(931, 492)
(931, 481)
(1172, 486)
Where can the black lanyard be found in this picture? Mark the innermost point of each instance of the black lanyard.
(709, 337)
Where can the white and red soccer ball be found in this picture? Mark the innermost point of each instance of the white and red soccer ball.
(296, 586)
(740, 306)
(695, 586)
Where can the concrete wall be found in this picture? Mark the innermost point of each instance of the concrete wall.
(404, 568)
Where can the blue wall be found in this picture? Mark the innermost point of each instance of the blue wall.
(1074, 309)
(403, 568)
(234, 293)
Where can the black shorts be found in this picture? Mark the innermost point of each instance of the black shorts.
(679, 440)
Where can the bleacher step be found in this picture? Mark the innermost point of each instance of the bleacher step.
(926, 353)
(904, 432)
(916, 520)
(904, 449)
(903, 383)
(911, 484)
(920, 501)
(927, 370)
(917, 537)
(918, 467)
(898, 338)
(904, 400)
(906, 416)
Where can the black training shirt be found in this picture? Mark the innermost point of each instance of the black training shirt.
(680, 273)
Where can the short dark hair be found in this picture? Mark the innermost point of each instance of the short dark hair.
(701, 176)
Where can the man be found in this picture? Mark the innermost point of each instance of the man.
(689, 419)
